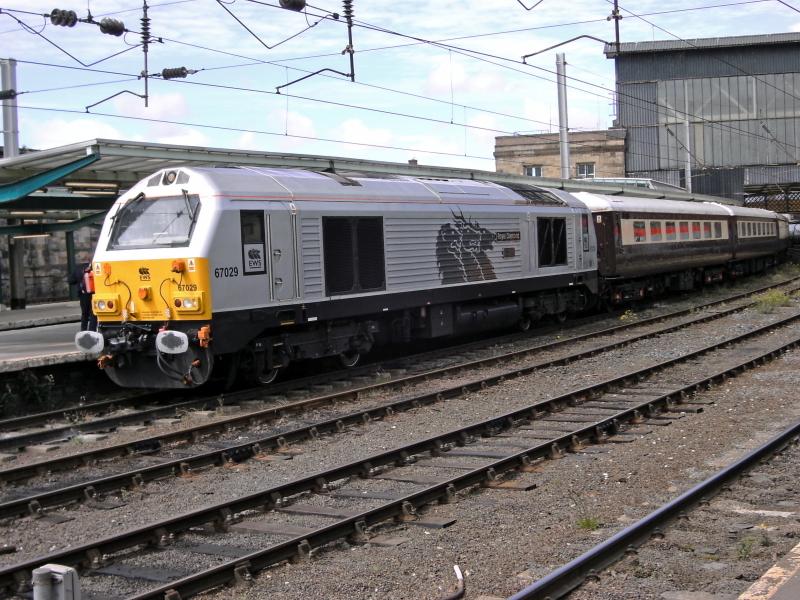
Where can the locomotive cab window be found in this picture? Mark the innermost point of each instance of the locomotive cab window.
(353, 248)
(552, 240)
(253, 242)
(144, 222)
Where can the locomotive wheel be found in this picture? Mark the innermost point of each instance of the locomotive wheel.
(268, 376)
(349, 359)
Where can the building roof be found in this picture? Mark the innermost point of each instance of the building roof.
(701, 43)
(122, 163)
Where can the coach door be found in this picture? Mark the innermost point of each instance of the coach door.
(282, 255)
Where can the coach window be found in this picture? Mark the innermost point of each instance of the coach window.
(655, 231)
(669, 230)
(696, 234)
(749, 229)
(353, 248)
(707, 230)
(552, 240)
(684, 229)
(639, 231)
(717, 230)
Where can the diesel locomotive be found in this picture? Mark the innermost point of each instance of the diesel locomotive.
(241, 271)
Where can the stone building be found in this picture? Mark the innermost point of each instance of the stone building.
(592, 154)
(45, 260)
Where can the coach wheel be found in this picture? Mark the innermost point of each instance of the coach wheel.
(268, 376)
(349, 359)
(561, 317)
(524, 324)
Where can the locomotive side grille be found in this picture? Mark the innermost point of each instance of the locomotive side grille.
(354, 254)
(337, 234)
(370, 253)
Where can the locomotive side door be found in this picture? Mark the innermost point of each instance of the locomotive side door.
(282, 255)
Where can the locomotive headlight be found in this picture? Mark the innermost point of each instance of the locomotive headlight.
(189, 304)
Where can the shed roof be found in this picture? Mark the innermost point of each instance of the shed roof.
(701, 43)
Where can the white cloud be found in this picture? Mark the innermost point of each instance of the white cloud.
(170, 106)
(355, 130)
(50, 133)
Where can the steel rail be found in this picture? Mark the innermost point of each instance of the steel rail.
(572, 575)
(91, 554)
(67, 412)
(242, 568)
(109, 423)
(88, 490)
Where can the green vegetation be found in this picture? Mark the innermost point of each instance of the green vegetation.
(745, 548)
(588, 523)
(25, 393)
(769, 301)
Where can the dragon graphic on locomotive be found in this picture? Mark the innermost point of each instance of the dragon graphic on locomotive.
(247, 269)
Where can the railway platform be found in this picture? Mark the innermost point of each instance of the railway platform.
(38, 315)
(39, 346)
(781, 582)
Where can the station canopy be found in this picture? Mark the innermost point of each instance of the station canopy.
(90, 175)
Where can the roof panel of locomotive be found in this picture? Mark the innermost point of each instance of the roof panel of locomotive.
(261, 183)
(600, 202)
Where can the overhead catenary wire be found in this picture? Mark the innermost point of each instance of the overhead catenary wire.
(468, 53)
(254, 131)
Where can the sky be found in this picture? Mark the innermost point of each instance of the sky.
(439, 103)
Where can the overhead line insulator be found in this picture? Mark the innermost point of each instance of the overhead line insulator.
(112, 27)
(63, 18)
(296, 5)
(175, 73)
(8, 94)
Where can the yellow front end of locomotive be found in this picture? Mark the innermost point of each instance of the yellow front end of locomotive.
(162, 289)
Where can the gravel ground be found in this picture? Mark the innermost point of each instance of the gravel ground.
(503, 540)
(431, 570)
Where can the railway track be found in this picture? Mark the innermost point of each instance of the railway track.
(692, 510)
(92, 489)
(147, 409)
(502, 444)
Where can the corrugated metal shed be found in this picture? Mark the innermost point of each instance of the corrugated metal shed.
(768, 175)
(700, 43)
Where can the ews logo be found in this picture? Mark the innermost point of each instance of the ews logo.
(144, 273)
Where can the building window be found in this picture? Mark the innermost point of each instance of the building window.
(585, 170)
(533, 170)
